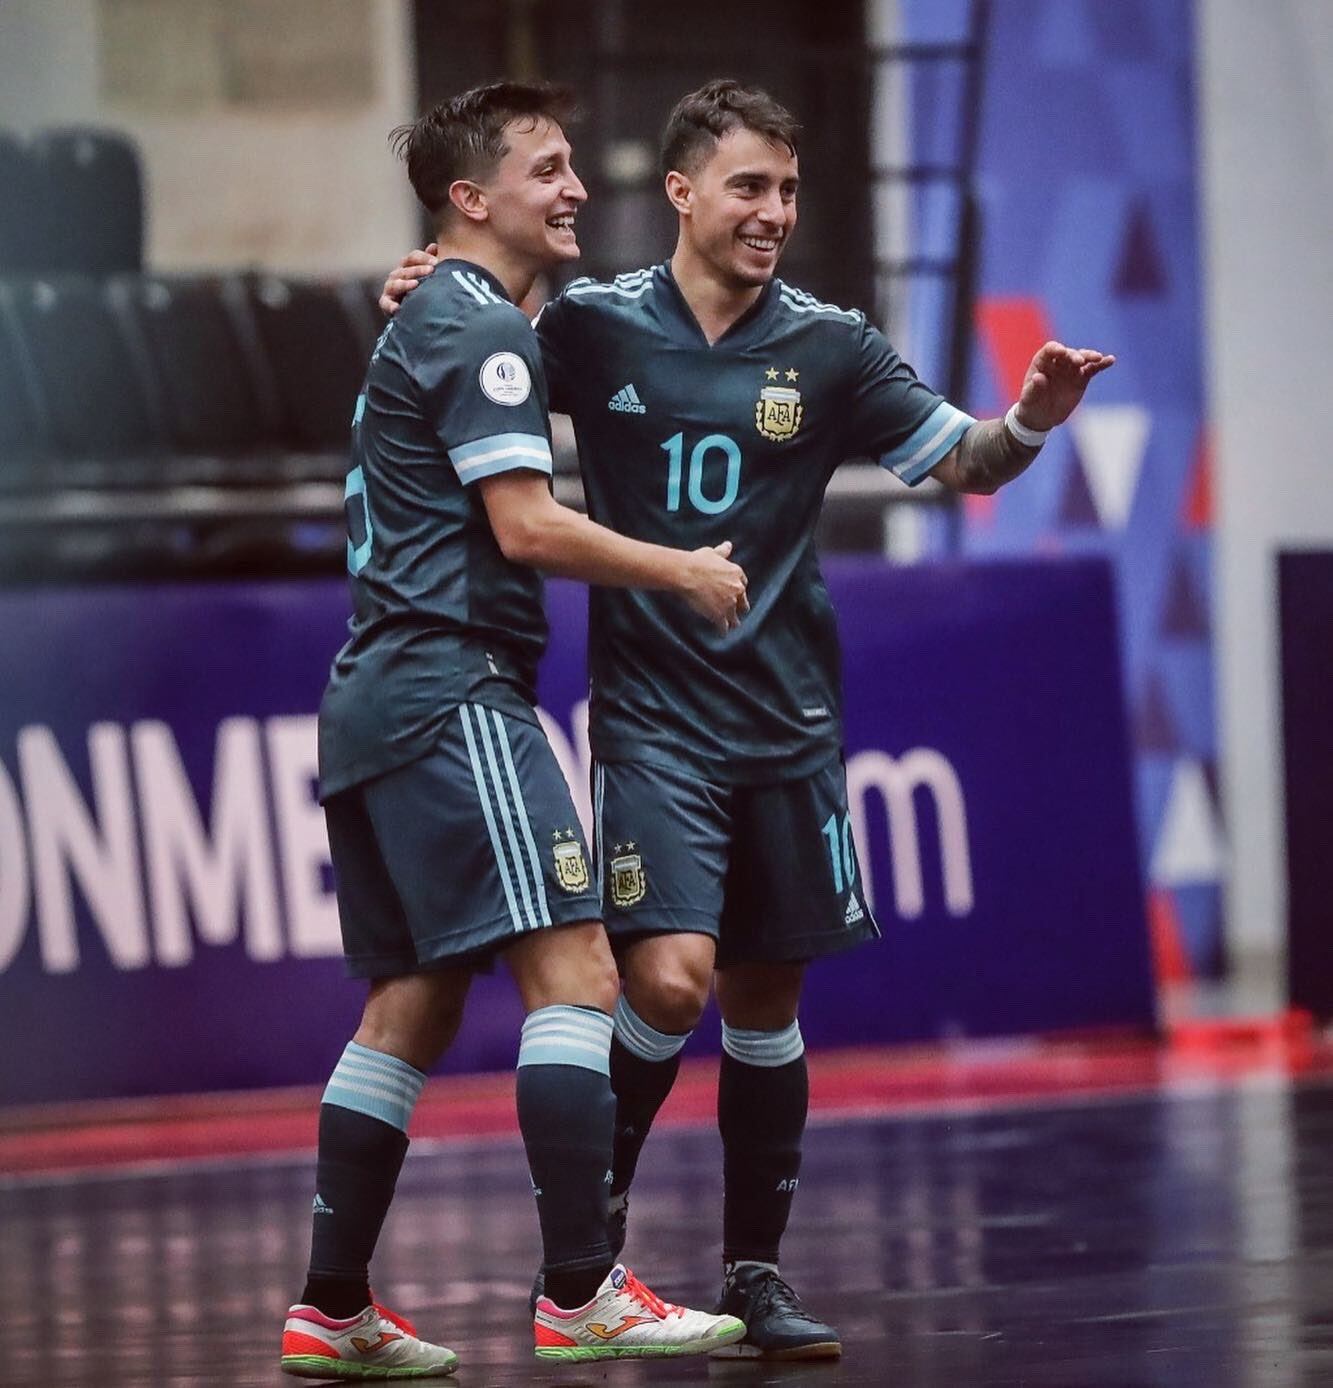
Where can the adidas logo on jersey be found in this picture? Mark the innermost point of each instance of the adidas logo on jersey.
(626, 401)
(320, 1207)
(854, 912)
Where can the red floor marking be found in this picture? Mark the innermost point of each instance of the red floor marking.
(870, 1081)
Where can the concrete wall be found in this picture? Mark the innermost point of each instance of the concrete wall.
(262, 126)
(1266, 87)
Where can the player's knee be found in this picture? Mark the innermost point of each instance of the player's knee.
(571, 966)
(760, 997)
(672, 1001)
(414, 1019)
(601, 984)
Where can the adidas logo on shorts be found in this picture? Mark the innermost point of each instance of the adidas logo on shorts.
(854, 912)
(626, 401)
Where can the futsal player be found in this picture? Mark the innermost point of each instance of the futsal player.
(708, 396)
(453, 836)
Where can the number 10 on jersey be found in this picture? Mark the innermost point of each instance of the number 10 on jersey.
(730, 450)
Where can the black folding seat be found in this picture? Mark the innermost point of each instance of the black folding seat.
(23, 215)
(91, 376)
(94, 200)
(194, 330)
(316, 339)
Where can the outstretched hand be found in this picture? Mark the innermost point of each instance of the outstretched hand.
(1055, 381)
(405, 276)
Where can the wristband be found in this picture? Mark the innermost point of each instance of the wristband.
(1030, 438)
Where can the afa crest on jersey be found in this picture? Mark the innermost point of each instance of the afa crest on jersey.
(778, 411)
(629, 883)
(571, 867)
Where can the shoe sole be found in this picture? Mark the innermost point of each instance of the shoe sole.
(824, 1349)
(571, 1354)
(317, 1366)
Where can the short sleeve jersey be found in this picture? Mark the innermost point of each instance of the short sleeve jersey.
(687, 444)
(454, 393)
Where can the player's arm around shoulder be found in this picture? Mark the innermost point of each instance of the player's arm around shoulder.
(995, 451)
(532, 528)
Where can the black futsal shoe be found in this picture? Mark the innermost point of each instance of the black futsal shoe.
(617, 1226)
(777, 1326)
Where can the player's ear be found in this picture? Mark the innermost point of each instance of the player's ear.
(679, 190)
(469, 199)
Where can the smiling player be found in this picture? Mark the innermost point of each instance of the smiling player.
(723, 836)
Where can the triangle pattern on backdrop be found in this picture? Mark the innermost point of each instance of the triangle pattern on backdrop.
(1141, 272)
(1189, 846)
(1112, 440)
(1184, 613)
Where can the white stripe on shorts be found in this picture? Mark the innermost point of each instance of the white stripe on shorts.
(516, 789)
(483, 794)
(533, 895)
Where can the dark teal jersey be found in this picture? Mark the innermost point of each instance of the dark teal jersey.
(685, 444)
(454, 393)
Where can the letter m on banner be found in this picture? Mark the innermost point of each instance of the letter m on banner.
(896, 780)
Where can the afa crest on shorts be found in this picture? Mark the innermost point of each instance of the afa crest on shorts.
(571, 867)
(778, 411)
(629, 883)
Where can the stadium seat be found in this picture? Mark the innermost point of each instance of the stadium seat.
(94, 201)
(91, 375)
(22, 431)
(194, 330)
(21, 207)
(316, 339)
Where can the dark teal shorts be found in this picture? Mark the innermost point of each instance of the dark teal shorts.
(459, 854)
(769, 871)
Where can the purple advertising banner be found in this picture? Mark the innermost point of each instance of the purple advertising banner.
(167, 921)
(1305, 601)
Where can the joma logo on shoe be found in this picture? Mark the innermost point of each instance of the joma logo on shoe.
(364, 1346)
(602, 1333)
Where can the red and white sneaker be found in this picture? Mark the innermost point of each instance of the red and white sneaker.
(375, 1344)
(627, 1321)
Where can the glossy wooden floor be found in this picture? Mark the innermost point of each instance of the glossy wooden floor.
(1181, 1234)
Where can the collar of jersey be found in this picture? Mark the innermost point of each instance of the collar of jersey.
(689, 324)
(455, 262)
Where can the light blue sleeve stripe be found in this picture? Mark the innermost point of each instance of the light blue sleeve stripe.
(508, 462)
(500, 453)
(478, 449)
(929, 442)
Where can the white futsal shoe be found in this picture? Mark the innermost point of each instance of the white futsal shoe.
(627, 1321)
(375, 1344)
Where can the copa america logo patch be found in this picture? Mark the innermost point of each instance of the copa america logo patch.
(505, 379)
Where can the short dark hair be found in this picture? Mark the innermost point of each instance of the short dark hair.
(464, 137)
(703, 117)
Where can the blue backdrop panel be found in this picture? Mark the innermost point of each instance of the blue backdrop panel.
(166, 912)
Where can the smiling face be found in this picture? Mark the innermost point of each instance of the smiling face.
(738, 209)
(533, 195)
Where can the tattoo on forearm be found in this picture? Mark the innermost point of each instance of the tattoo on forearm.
(989, 456)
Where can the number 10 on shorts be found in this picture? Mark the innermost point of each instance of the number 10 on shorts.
(842, 855)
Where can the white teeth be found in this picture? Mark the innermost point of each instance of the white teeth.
(761, 243)
(563, 223)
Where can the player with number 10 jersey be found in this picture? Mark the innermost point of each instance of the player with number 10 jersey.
(680, 440)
